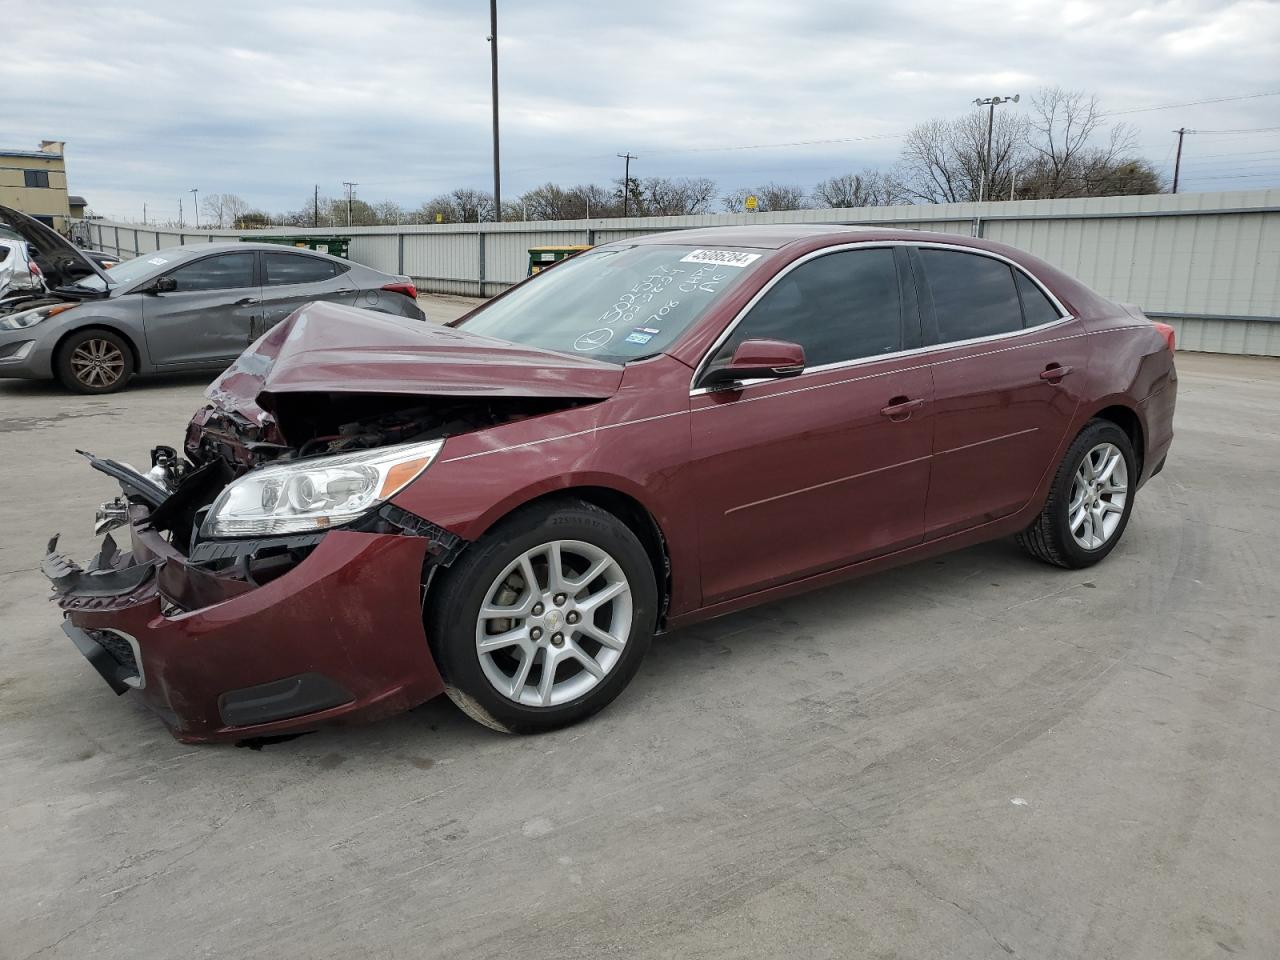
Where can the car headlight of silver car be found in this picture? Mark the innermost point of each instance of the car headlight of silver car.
(316, 493)
(29, 318)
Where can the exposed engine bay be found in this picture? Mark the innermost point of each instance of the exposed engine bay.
(223, 445)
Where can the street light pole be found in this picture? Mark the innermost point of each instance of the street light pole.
(493, 70)
(991, 103)
(195, 202)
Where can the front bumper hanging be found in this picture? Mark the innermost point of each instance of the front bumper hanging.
(337, 635)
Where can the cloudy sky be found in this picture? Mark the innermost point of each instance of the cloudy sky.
(265, 99)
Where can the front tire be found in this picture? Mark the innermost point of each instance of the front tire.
(544, 620)
(94, 361)
(1089, 500)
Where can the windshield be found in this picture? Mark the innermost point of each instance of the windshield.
(139, 268)
(617, 303)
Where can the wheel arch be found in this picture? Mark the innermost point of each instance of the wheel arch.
(627, 508)
(1128, 420)
(106, 325)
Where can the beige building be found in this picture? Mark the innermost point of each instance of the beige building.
(35, 182)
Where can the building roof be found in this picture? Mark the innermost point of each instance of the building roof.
(75, 201)
(34, 154)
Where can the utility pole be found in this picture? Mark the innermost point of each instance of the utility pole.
(626, 181)
(144, 213)
(1177, 161)
(315, 217)
(349, 185)
(493, 67)
(195, 204)
(991, 103)
(179, 213)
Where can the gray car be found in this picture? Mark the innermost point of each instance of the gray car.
(178, 309)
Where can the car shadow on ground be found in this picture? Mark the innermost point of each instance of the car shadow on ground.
(747, 642)
(52, 388)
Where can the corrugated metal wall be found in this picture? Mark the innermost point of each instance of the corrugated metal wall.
(1209, 263)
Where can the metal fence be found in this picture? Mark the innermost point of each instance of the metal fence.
(1209, 263)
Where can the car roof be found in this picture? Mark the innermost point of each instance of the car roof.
(770, 236)
(222, 246)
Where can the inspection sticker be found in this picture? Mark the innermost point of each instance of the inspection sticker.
(639, 338)
(723, 258)
(158, 261)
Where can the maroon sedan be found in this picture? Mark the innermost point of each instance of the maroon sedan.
(370, 513)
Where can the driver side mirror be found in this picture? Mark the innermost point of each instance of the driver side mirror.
(164, 285)
(755, 359)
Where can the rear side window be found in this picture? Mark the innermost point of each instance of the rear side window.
(282, 268)
(842, 306)
(973, 296)
(224, 272)
(1036, 307)
(4, 253)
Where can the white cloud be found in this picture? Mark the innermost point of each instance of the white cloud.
(266, 99)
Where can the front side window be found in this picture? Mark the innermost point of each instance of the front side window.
(973, 296)
(35, 178)
(616, 303)
(282, 268)
(224, 272)
(841, 306)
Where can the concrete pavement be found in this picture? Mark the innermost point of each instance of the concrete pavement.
(972, 757)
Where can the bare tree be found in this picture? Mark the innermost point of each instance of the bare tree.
(769, 197)
(674, 196)
(214, 210)
(1075, 152)
(942, 160)
(388, 212)
(870, 188)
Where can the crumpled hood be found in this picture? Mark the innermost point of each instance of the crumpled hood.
(328, 348)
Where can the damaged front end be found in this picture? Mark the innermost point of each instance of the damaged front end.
(270, 582)
(240, 638)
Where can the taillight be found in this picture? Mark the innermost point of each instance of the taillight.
(1167, 332)
(408, 289)
(35, 269)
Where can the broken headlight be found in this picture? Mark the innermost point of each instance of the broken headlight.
(317, 493)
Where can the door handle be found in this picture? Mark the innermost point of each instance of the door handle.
(245, 302)
(1054, 372)
(900, 408)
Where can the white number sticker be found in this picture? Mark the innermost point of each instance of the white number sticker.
(724, 258)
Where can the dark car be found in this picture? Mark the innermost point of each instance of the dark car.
(177, 309)
(371, 512)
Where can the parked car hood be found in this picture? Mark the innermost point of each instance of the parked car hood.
(62, 262)
(332, 349)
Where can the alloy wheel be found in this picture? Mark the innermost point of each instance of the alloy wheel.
(554, 623)
(1099, 492)
(97, 363)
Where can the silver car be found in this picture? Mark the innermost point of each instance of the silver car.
(182, 308)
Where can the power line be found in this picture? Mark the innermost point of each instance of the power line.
(1191, 103)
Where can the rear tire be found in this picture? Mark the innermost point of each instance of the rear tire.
(1089, 500)
(94, 361)
(573, 639)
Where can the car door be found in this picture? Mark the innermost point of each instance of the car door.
(291, 279)
(210, 316)
(1005, 376)
(805, 474)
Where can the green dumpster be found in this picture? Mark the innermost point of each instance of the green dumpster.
(335, 246)
(540, 257)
